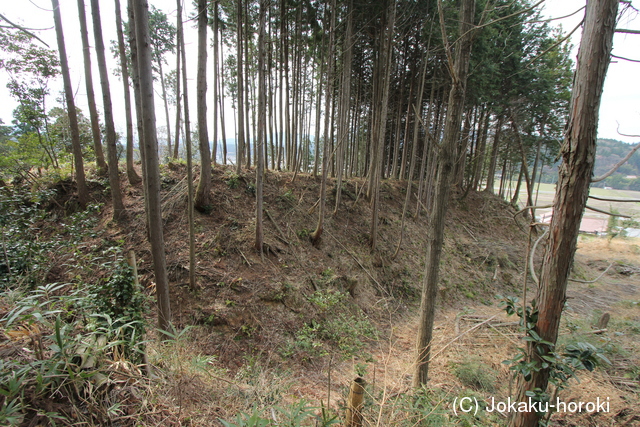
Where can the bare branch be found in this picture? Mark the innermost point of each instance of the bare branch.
(607, 213)
(560, 17)
(486, 24)
(627, 31)
(624, 134)
(23, 29)
(556, 44)
(625, 59)
(447, 47)
(617, 165)
(615, 200)
(532, 269)
(532, 208)
(594, 280)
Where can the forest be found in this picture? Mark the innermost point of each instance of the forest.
(348, 181)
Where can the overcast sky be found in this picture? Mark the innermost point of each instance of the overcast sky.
(620, 106)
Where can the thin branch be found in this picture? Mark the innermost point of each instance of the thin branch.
(553, 46)
(23, 29)
(560, 17)
(607, 213)
(617, 165)
(624, 134)
(447, 47)
(594, 280)
(39, 7)
(627, 31)
(532, 208)
(520, 12)
(426, 129)
(533, 252)
(437, 353)
(625, 59)
(615, 200)
(383, 290)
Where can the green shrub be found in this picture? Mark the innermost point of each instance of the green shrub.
(473, 373)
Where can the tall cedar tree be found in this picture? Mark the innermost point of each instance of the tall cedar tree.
(91, 97)
(240, 95)
(187, 126)
(262, 125)
(458, 69)
(152, 177)
(83, 193)
(316, 236)
(203, 198)
(134, 179)
(112, 153)
(574, 178)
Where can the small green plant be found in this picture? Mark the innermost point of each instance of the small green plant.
(233, 181)
(543, 355)
(297, 414)
(287, 197)
(119, 298)
(476, 374)
(325, 299)
(248, 420)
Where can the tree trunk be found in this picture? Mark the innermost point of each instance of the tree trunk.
(316, 141)
(165, 102)
(83, 192)
(187, 139)
(574, 178)
(221, 106)
(91, 98)
(203, 198)
(133, 46)
(491, 173)
(152, 179)
(114, 178)
(446, 158)
(134, 179)
(176, 142)
(244, 19)
(480, 153)
(345, 100)
(240, 96)
(381, 122)
(262, 126)
(516, 191)
(214, 155)
(414, 152)
(316, 236)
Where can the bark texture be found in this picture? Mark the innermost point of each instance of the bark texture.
(152, 178)
(203, 198)
(574, 178)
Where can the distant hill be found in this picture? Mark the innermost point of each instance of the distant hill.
(610, 152)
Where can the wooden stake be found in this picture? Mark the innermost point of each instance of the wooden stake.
(355, 403)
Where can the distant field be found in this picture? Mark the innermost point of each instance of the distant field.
(544, 194)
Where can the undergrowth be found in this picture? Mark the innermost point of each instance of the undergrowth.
(71, 344)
